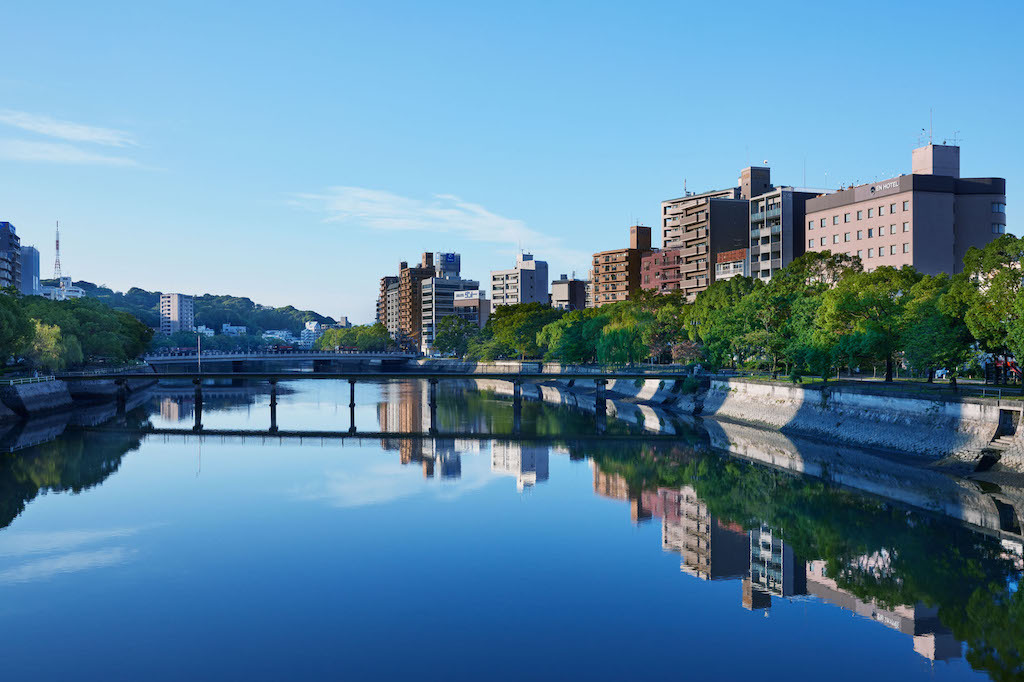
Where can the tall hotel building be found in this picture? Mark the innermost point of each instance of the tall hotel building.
(927, 219)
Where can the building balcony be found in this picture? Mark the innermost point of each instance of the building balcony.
(757, 217)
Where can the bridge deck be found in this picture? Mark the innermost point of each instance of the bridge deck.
(383, 376)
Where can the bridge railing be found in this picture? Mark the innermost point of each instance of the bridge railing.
(276, 353)
(26, 380)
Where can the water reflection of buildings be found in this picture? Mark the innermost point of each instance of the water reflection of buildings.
(774, 570)
(528, 463)
(711, 549)
(404, 408)
(176, 409)
(931, 639)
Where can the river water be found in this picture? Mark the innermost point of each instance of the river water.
(548, 556)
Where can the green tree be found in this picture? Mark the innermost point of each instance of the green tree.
(51, 350)
(931, 338)
(366, 337)
(517, 326)
(15, 326)
(986, 292)
(870, 306)
(452, 335)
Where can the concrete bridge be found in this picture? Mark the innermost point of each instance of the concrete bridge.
(191, 357)
(600, 380)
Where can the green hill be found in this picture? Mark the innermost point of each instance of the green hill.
(210, 309)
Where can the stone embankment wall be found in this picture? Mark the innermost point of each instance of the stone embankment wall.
(927, 427)
(31, 399)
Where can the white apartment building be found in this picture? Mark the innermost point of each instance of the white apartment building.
(176, 313)
(527, 282)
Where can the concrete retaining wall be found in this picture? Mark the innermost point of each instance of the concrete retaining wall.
(928, 427)
(32, 399)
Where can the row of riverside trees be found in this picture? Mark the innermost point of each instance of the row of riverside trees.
(820, 313)
(51, 335)
(364, 337)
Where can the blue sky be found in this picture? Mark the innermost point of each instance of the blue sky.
(294, 153)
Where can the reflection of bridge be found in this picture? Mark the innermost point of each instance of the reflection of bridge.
(269, 435)
(288, 355)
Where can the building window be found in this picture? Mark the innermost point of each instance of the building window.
(906, 247)
(881, 230)
(835, 239)
(871, 253)
(998, 228)
(881, 210)
(810, 243)
(823, 222)
(846, 237)
(906, 205)
(906, 227)
(860, 214)
(860, 254)
(871, 232)
(892, 249)
(998, 207)
(810, 224)
(871, 213)
(846, 217)
(860, 234)
(823, 241)
(835, 220)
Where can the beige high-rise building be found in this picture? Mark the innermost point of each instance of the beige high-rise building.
(176, 313)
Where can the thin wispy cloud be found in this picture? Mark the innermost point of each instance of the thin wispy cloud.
(66, 130)
(57, 152)
(43, 542)
(442, 214)
(71, 562)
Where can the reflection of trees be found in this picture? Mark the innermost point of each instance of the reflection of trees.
(74, 462)
(968, 575)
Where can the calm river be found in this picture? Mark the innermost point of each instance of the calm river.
(466, 557)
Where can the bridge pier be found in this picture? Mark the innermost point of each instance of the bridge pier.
(432, 402)
(273, 405)
(122, 395)
(517, 407)
(198, 426)
(600, 404)
(351, 405)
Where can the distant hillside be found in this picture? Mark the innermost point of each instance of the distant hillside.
(211, 310)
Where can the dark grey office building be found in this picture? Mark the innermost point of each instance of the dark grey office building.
(10, 256)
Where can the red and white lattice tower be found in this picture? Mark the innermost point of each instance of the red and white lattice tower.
(56, 263)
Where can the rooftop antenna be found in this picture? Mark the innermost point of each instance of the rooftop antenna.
(56, 263)
(930, 128)
(956, 138)
(684, 187)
